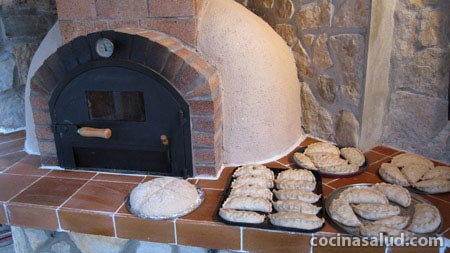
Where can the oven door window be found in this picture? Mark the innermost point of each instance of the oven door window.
(116, 105)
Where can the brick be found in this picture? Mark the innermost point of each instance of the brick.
(36, 86)
(201, 107)
(172, 68)
(203, 123)
(169, 43)
(205, 86)
(44, 132)
(41, 117)
(152, 35)
(49, 160)
(202, 139)
(157, 57)
(183, 29)
(39, 101)
(46, 147)
(171, 8)
(187, 79)
(115, 24)
(47, 80)
(74, 29)
(204, 155)
(125, 9)
(80, 9)
(206, 170)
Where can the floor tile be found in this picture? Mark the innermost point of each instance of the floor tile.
(385, 150)
(73, 174)
(86, 222)
(208, 235)
(28, 166)
(118, 178)
(256, 240)
(349, 249)
(130, 227)
(308, 141)
(12, 136)
(415, 249)
(275, 165)
(208, 209)
(49, 191)
(10, 185)
(10, 159)
(442, 196)
(219, 184)
(34, 216)
(100, 196)
(373, 157)
(362, 178)
(373, 168)
(326, 190)
(11, 146)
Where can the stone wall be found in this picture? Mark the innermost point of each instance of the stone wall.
(328, 39)
(23, 24)
(417, 117)
(28, 240)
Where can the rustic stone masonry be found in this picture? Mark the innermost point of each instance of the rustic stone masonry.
(177, 18)
(329, 40)
(417, 117)
(23, 24)
(29, 240)
(193, 77)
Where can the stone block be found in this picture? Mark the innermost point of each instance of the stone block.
(24, 53)
(415, 118)
(352, 13)
(283, 8)
(171, 8)
(426, 73)
(302, 61)
(287, 32)
(12, 108)
(347, 129)
(97, 243)
(327, 88)
(315, 15)
(321, 55)
(267, 4)
(7, 65)
(349, 53)
(80, 9)
(124, 9)
(315, 119)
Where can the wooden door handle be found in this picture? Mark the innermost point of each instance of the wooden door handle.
(104, 133)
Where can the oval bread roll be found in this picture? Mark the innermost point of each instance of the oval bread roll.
(248, 204)
(375, 211)
(296, 206)
(296, 220)
(303, 195)
(241, 216)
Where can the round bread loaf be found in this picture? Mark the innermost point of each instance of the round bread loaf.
(163, 198)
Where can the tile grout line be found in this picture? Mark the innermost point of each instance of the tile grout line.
(20, 160)
(17, 151)
(175, 236)
(241, 238)
(12, 140)
(26, 188)
(114, 224)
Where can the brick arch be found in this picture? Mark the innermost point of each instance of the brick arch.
(196, 81)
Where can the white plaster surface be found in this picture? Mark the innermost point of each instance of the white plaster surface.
(47, 47)
(261, 91)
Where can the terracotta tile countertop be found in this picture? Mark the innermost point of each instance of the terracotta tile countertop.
(93, 203)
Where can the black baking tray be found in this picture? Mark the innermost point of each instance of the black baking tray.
(361, 169)
(266, 224)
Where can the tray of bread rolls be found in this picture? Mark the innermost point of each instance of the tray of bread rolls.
(275, 199)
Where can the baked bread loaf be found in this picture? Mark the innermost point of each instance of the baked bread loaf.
(163, 197)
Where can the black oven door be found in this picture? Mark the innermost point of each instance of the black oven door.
(147, 120)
